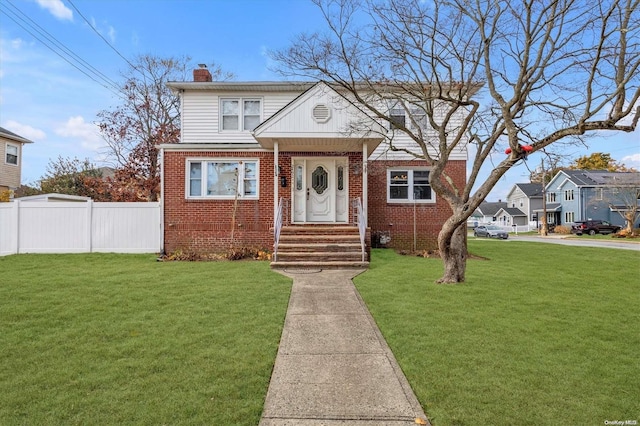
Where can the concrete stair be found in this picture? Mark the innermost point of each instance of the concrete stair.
(319, 246)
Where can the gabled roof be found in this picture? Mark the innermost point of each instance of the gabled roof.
(490, 209)
(511, 211)
(320, 116)
(531, 190)
(12, 136)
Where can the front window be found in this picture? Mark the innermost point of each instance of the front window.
(568, 195)
(222, 179)
(551, 197)
(12, 154)
(409, 185)
(240, 114)
(569, 217)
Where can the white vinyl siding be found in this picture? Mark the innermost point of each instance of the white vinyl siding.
(201, 115)
(402, 141)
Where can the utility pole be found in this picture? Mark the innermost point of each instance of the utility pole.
(544, 231)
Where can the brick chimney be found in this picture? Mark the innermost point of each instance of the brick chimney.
(202, 74)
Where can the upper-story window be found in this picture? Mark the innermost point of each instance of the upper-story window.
(11, 156)
(568, 195)
(551, 197)
(240, 114)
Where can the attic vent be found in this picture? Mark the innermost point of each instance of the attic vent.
(321, 113)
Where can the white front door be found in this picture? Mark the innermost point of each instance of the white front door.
(320, 190)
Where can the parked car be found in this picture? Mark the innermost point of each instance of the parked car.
(490, 231)
(593, 227)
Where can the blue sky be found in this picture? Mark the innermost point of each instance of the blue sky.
(47, 100)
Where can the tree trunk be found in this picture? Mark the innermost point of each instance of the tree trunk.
(452, 242)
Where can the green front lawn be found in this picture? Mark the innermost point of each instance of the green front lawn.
(105, 339)
(540, 334)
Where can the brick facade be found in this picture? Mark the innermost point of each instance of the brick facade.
(203, 225)
(407, 225)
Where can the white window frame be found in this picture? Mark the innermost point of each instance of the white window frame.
(6, 154)
(569, 217)
(551, 197)
(241, 115)
(244, 178)
(568, 195)
(410, 185)
(599, 194)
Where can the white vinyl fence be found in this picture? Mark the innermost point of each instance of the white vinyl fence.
(79, 227)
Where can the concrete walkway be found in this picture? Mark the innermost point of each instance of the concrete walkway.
(333, 366)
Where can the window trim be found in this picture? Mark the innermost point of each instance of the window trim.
(410, 184)
(241, 115)
(204, 170)
(6, 154)
(569, 217)
(568, 195)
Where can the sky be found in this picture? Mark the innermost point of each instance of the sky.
(46, 99)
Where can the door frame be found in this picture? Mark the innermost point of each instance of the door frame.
(300, 184)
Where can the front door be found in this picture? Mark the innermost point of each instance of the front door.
(320, 190)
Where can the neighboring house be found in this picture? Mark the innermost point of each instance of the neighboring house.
(523, 202)
(487, 212)
(592, 195)
(252, 154)
(11, 161)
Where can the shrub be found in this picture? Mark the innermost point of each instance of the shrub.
(561, 229)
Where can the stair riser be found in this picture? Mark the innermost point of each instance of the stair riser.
(284, 257)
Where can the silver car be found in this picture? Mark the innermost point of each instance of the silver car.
(490, 231)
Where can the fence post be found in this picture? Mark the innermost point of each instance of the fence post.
(89, 229)
(16, 236)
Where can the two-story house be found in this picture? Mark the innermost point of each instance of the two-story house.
(592, 195)
(259, 158)
(524, 201)
(11, 162)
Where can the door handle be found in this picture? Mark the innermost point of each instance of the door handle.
(307, 194)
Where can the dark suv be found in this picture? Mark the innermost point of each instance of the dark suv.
(593, 227)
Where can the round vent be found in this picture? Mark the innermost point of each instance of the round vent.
(321, 113)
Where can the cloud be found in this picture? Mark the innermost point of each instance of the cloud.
(88, 133)
(110, 31)
(632, 160)
(25, 131)
(57, 9)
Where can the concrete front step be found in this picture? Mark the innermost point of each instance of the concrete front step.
(321, 246)
(319, 256)
(321, 265)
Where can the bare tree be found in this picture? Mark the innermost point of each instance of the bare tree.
(547, 71)
(148, 115)
(623, 198)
